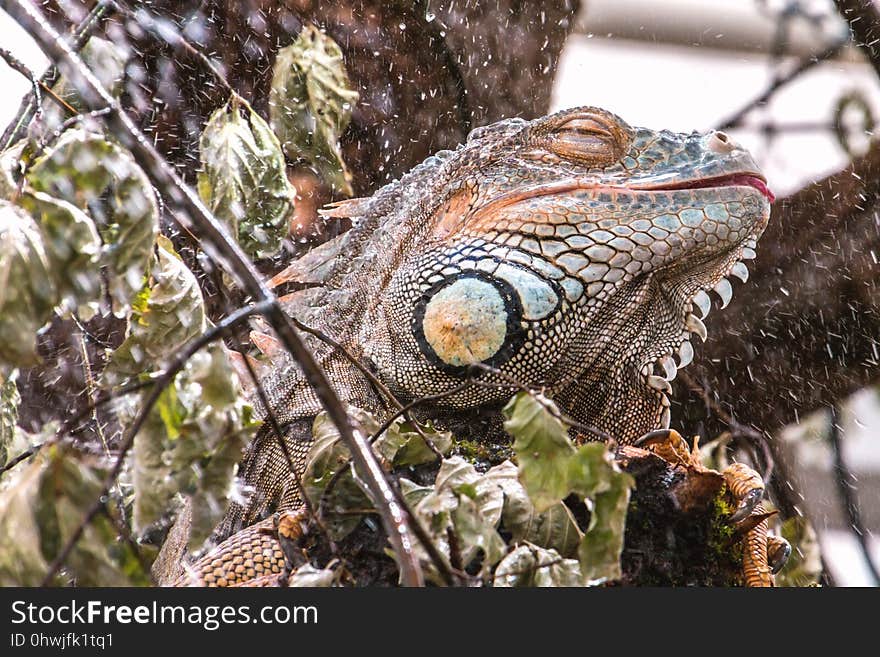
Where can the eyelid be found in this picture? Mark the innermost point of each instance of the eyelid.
(586, 125)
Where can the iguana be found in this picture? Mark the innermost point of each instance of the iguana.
(572, 253)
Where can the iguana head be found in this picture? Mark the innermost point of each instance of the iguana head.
(573, 252)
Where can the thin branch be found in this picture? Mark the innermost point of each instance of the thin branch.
(737, 429)
(279, 437)
(67, 427)
(36, 84)
(159, 29)
(50, 139)
(604, 436)
(375, 381)
(736, 119)
(16, 128)
(404, 411)
(126, 535)
(17, 65)
(843, 479)
(217, 243)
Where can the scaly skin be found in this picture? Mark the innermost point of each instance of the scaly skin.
(571, 253)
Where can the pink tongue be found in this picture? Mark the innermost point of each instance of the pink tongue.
(758, 184)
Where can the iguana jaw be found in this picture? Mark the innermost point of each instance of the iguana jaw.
(692, 303)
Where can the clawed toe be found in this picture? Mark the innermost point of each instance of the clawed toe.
(655, 438)
(747, 505)
(747, 489)
(778, 552)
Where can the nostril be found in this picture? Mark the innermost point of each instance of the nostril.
(720, 142)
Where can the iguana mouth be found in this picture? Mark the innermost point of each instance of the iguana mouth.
(750, 179)
(746, 179)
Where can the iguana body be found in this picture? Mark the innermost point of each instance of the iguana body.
(571, 253)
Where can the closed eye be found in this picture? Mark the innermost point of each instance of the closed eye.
(586, 140)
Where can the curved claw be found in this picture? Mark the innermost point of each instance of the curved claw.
(747, 505)
(778, 552)
(654, 438)
(747, 489)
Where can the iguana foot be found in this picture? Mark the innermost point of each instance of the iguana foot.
(778, 552)
(259, 555)
(746, 487)
(763, 555)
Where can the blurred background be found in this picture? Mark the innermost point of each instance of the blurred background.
(703, 64)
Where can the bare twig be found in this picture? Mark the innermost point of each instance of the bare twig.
(735, 119)
(17, 65)
(50, 139)
(282, 444)
(68, 426)
(36, 84)
(189, 211)
(15, 130)
(326, 338)
(737, 429)
(169, 34)
(126, 535)
(604, 436)
(843, 478)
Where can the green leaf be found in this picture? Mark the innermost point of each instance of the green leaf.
(468, 507)
(543, 449)
(189, 445)
(166, 316)
(555, 528)
(413, 493)
(194, 435)
(42, 507)
(551, 468)
(21, 560)
(244, 178)
(402, 445)
(346, 503)
(310, 104)
(530, 565)
(600, 548)
(90, 172)
(27, 285)
(73, 248)
(107, 61)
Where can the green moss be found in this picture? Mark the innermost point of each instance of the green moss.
(666, 547)
(482, 454)
(721, 540)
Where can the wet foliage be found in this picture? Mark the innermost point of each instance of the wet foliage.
(499, 526)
